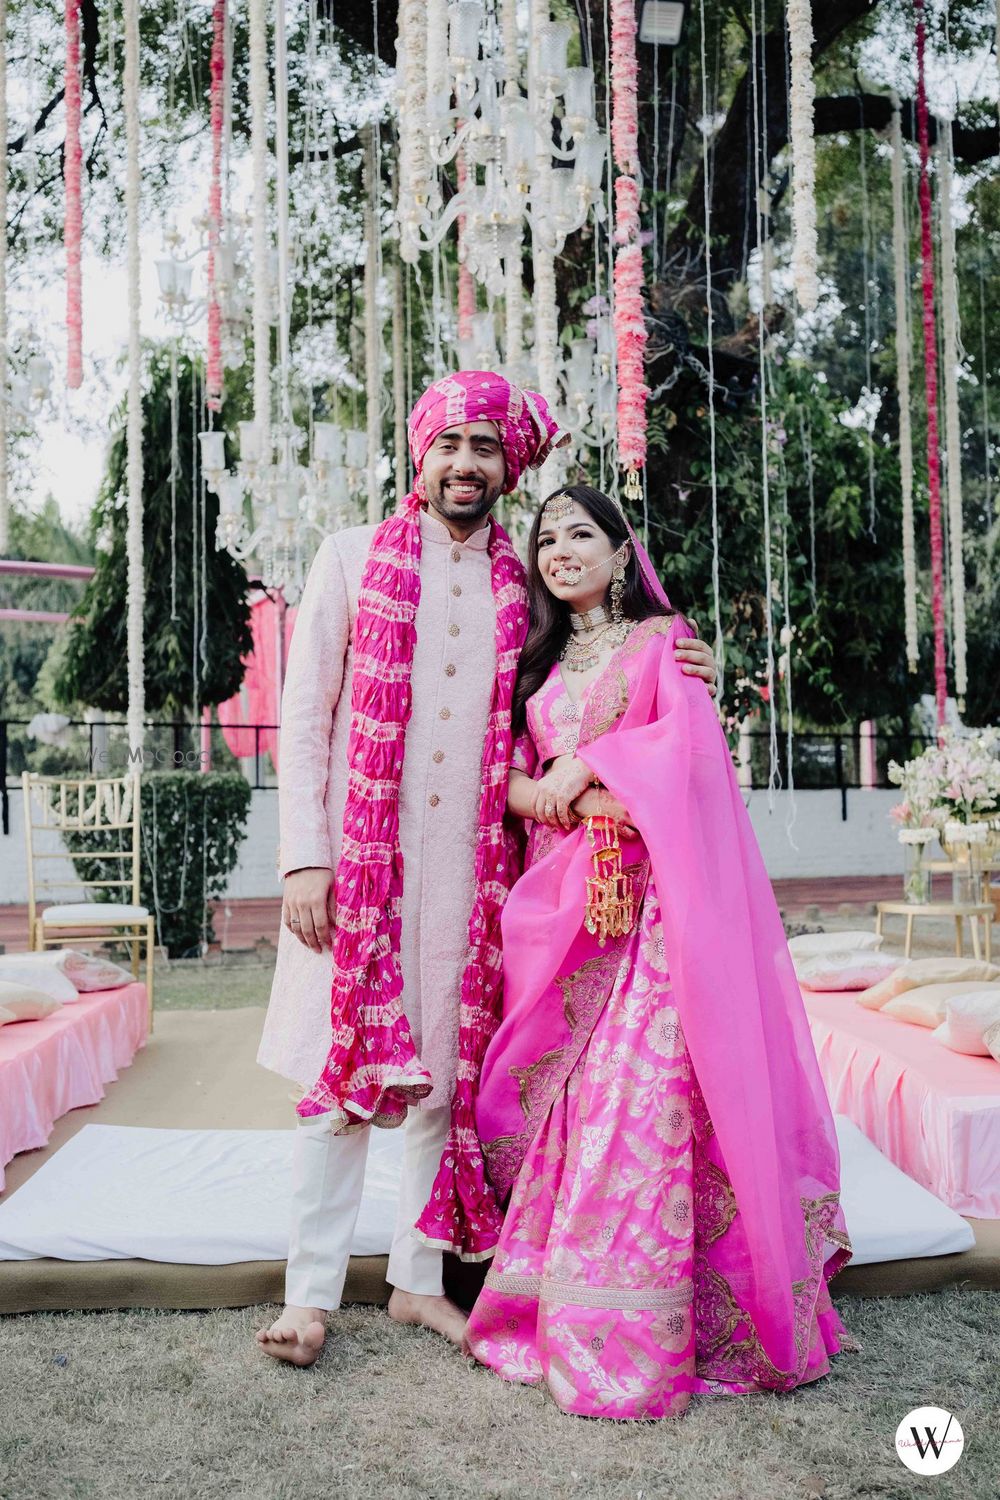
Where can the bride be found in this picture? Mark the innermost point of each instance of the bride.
(651, 1102)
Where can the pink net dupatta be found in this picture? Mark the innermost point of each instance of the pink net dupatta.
(769, 1178)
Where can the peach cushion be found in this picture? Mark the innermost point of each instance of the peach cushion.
(914, 972)
(928, 1005)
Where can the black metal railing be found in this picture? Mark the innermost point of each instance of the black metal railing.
(100, 747)
(819, 761)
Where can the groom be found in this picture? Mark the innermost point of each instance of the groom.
(406, 640)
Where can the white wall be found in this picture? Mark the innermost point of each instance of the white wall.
(819, 842)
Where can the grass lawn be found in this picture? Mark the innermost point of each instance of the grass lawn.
(181, 1406)
(216, 986)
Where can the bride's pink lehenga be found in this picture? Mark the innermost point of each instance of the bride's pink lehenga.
(628, 1272)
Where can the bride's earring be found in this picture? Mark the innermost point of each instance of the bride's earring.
(615, 593)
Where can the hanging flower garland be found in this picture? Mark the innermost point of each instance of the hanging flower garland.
(217, 70)
(72, 221)
(901, 278)
(629, 312)
(261, 248)
(133, 430)
(466, 280)
(930, 374)
(952, 422)
(414, 153)
(802, 95)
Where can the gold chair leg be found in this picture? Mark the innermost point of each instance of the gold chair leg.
(908, 944)
(974, 930)
(958, 937)
(150, 946)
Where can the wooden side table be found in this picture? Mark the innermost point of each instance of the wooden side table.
(959, 911)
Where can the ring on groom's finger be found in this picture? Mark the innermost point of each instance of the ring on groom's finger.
(294, 922)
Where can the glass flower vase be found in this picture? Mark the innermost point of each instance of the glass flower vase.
(916, 874)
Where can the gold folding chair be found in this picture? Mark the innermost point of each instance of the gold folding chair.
(99, 807)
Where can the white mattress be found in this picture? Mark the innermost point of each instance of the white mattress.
(197, 1197)
(214, 1197)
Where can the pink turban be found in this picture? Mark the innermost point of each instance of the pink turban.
(527, 432)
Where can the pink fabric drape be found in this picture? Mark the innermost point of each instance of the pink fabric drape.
(652, 736)
(934, 1112)
(52, 1066)
(258, 700)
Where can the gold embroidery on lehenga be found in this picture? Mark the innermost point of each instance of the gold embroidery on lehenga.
(718, 1313)
(580, 1294)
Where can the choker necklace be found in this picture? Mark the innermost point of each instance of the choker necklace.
(581, 652)
(589, 619)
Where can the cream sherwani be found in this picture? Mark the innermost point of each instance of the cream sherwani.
(452, 681)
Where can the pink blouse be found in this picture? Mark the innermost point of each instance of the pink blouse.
(553, 728)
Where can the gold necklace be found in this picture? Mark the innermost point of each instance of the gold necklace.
(580, 655)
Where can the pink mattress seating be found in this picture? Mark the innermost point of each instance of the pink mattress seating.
(51, 1066)
(934, 1112)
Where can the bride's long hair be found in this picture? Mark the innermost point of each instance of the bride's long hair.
(549, 625)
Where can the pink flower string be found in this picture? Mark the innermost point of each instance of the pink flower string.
(217, 70)
(930, 379)
(629, 317)
(466, 281)
(624, 87)
(73, 218)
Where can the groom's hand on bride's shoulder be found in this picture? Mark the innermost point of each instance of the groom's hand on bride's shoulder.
(696, 660)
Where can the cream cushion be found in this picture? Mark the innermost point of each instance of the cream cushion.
(844, 971)
(94, 914)
(915, 972)
(815, 944)
(969, 1017)
(19, 1002)
(928, 1005)
(39, 971)
(991, 1037)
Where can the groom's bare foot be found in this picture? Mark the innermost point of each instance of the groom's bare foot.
(297, 1336)
(436, 1313)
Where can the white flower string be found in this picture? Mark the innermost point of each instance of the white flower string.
(4, 492)
(399, 382)
(865, 303)
(983, 365)
(719, 644)
(261, 315)
(952, 422)
(901, 277)
(757, 105)
(133, 431)
(801, 99)
(414, 154)
(373, 342)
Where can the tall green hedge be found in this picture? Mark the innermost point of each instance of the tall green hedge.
(193, 824)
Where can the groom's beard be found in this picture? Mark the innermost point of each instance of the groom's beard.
(468, 511)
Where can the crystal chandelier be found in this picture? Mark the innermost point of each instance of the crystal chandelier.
(504, 136)
(297, 504)
(175, 272)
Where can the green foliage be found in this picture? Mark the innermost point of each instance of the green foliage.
(188, 658)
(193, 824)
(39, 536)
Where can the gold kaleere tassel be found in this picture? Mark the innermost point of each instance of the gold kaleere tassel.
(633, 486)
(611, 903)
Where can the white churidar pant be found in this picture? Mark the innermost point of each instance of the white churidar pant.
(328, 1174)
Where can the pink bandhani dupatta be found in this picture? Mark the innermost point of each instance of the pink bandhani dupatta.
(372, 1073)
(770, 1231)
